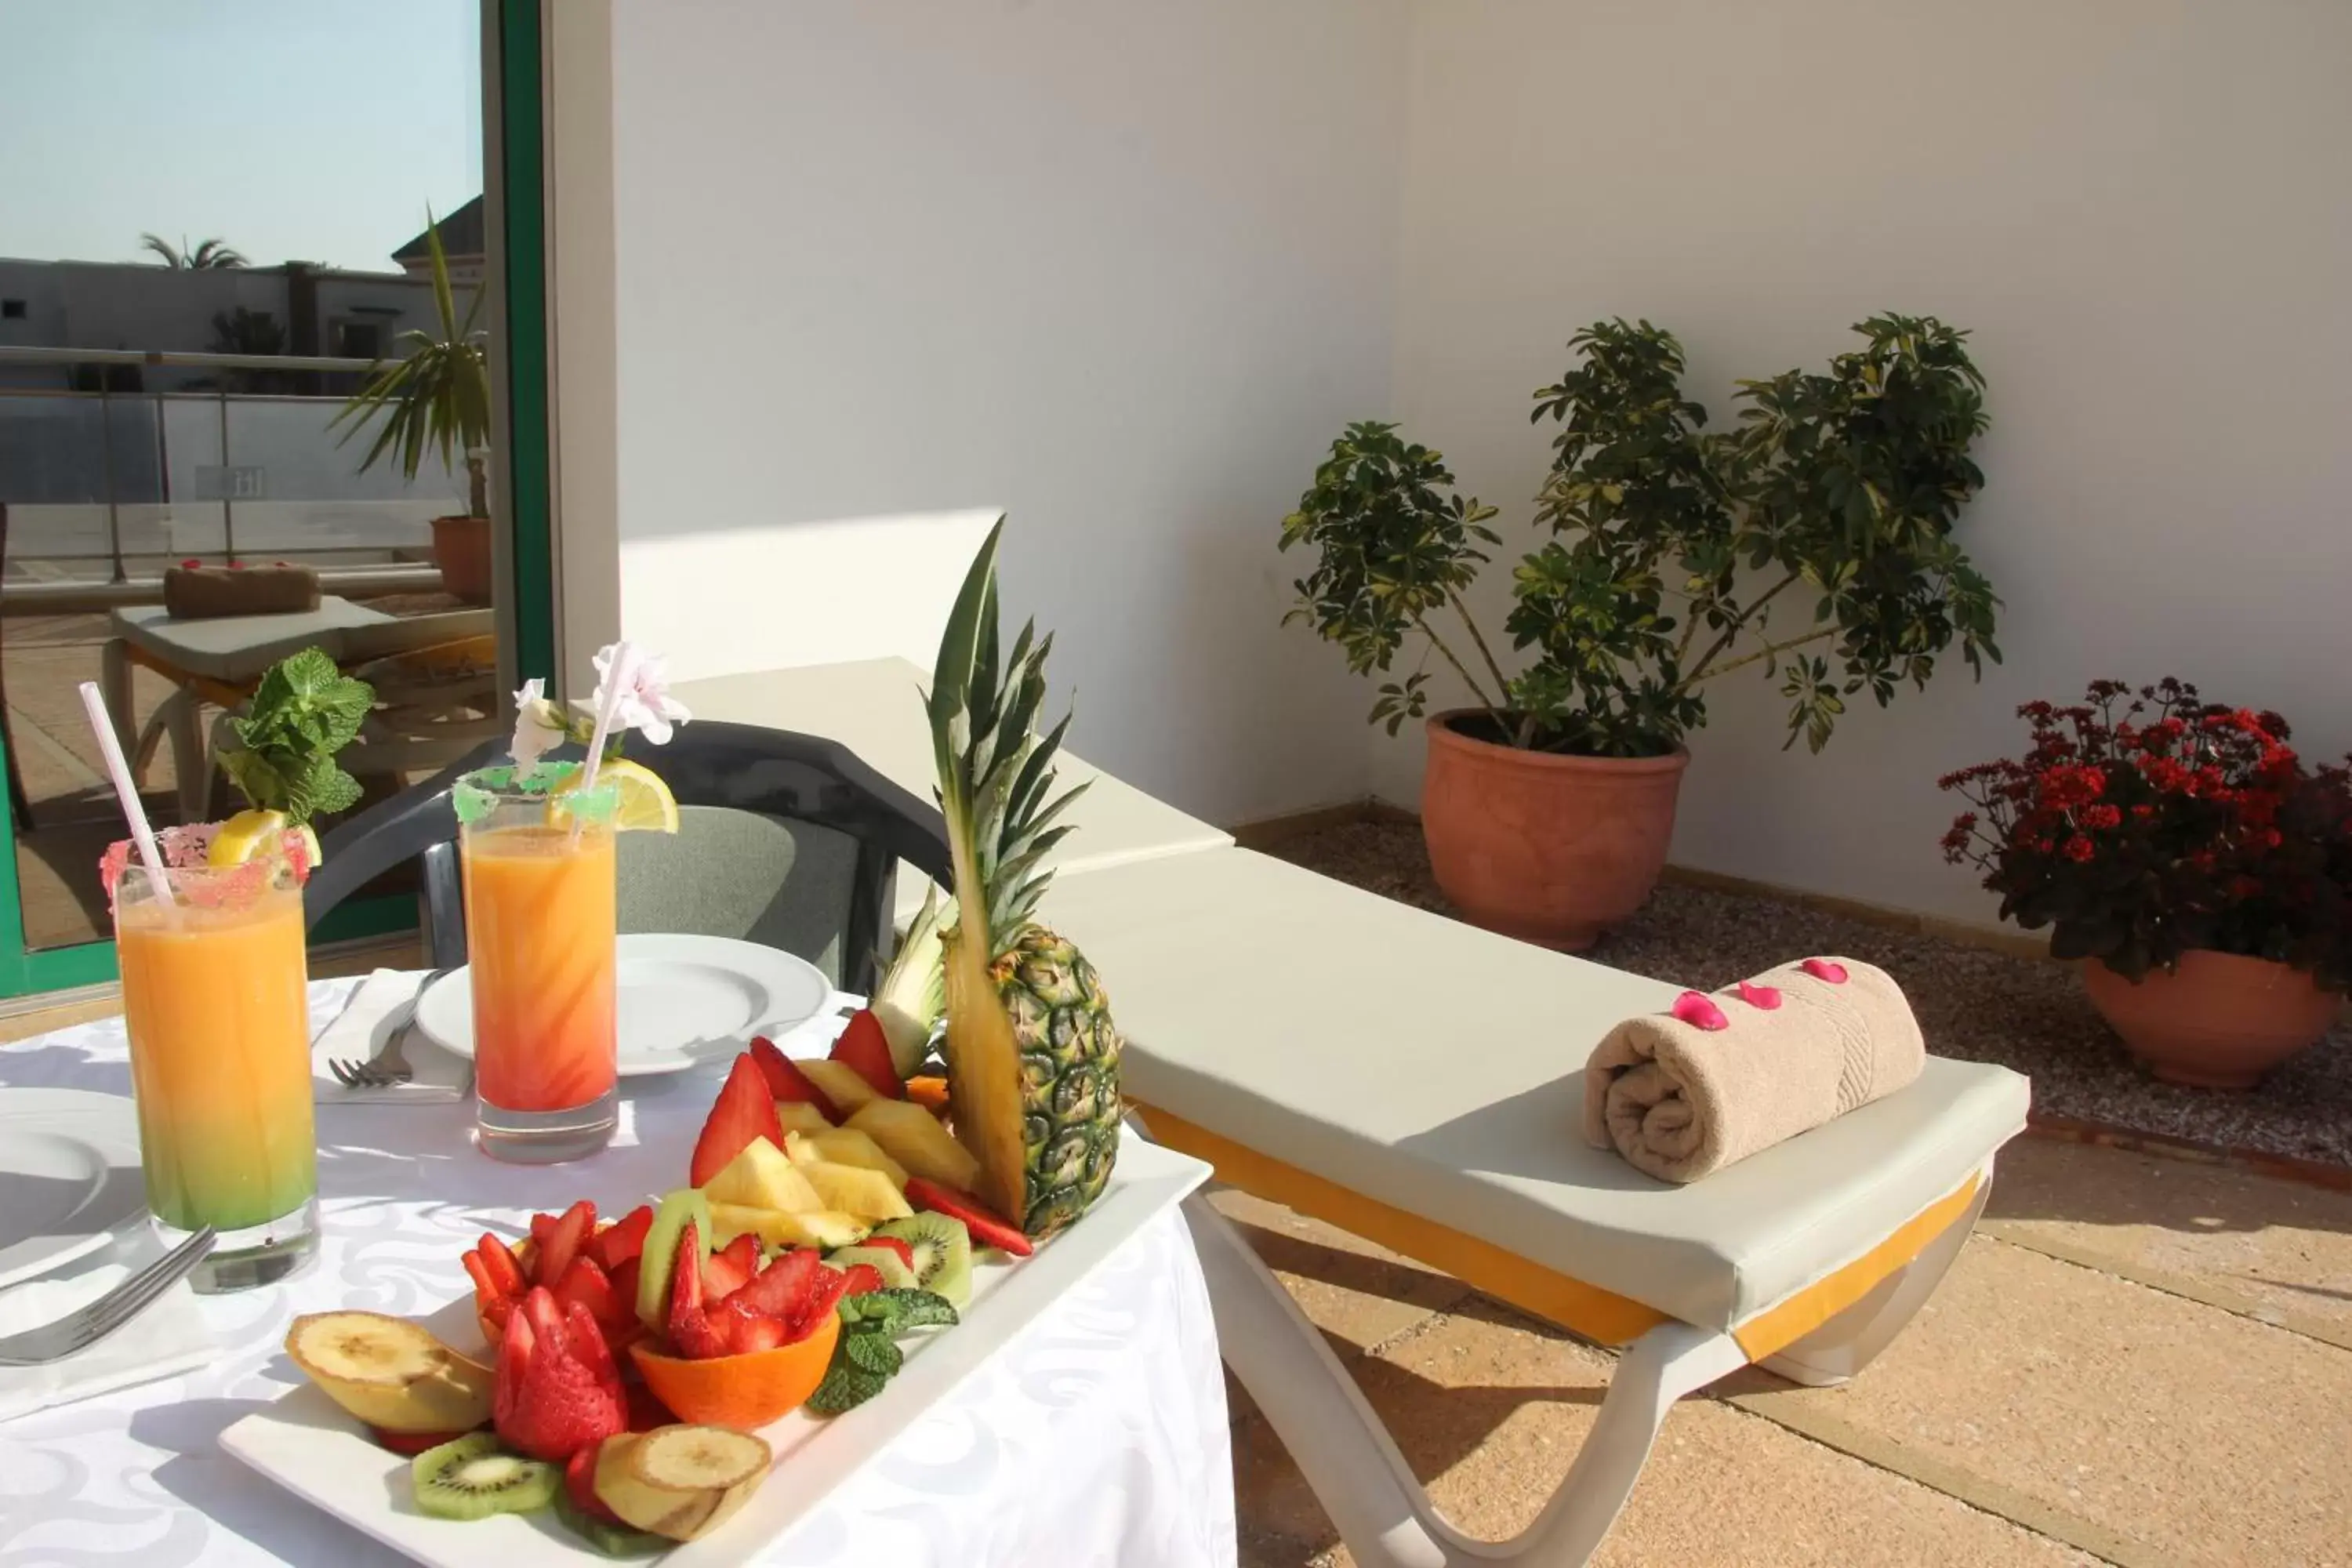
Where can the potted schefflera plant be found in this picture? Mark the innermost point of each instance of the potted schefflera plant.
(1814, 543)
(438, 396)
(2200, 869)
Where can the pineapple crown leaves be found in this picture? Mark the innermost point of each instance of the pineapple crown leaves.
(995, 773)
(304, 711)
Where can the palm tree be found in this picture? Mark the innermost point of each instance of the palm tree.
(439, 397)
(208, 254)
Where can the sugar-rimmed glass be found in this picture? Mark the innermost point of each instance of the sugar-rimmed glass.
(215, 999)
(541, 922)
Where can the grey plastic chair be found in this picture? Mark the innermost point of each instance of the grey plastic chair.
(785, 839)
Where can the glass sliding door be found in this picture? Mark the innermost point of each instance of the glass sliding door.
(218, 227)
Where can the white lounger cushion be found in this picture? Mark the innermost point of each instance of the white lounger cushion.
(1438, 1068)
(875, 707)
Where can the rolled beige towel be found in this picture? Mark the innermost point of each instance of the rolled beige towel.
(1683, 1094)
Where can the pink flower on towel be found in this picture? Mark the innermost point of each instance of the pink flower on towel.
(1698, 1010)
(1757, 995)
(1822, 969)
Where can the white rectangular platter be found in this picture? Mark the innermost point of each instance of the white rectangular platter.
(307, 1445)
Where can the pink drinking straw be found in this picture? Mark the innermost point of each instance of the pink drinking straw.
(102, 725)
(625, 655)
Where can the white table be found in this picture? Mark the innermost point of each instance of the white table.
(1098, 1438)
(874, 708)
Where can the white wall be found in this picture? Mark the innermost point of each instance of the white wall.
(1119, 268)
(2138, 207)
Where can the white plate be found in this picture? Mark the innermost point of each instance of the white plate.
(305, 1444)
(684, 1001)
(70, 1176)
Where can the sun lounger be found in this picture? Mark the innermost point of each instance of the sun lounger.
(1419, 1082)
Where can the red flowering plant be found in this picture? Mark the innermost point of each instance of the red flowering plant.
(2139, 828)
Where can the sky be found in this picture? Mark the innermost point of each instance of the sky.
(295, 130)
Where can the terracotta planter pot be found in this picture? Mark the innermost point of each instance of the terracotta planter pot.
(2220, 1021)
(1548, 848)
(461, 548)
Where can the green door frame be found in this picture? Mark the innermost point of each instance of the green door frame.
(516, 133)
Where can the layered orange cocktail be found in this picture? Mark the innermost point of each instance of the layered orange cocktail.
(215, 1001)
(541, 918)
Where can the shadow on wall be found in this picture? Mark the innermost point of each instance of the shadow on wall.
(785, 595)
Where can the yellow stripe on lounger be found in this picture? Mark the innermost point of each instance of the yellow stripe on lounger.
(1775, 1329)
(1600, 1315)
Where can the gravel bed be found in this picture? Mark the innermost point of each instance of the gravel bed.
(2025, 1013)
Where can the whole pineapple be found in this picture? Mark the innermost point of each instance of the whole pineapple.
(1031, 1054)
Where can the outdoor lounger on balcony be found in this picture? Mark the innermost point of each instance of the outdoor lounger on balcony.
(1419, 1082)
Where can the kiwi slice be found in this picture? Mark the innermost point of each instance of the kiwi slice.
(895, 1276)
(612, 1540)
(659, 1258)
(473, 1477)
(942, 1251)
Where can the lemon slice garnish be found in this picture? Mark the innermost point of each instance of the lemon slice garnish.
(645, 804)
(251, 833)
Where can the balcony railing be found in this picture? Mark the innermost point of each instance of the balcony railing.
(104, 484)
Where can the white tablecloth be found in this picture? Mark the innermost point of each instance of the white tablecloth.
(1099, 1438)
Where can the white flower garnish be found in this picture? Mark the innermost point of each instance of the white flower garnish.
(643, 701)
(539, 729)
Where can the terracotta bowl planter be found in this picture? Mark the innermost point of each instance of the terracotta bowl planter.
(2220, 1021)
(461, 549)
(1549, 848)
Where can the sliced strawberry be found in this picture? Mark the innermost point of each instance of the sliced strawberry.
(411, 1444)
(565, 1242)
(624, 1280)
(497, 1312)
(557, 1390)
(486, 1289)
(987, 1229)
(745, 1331)
(824, 1292)
(865, 1050)
(506, 1274)
(787, 1082)
(579, 1485)
(744, 1110)
(862, 1278)
(689, 1326)
(645, 1412)
(624, 1238)
(590, 1286)
(543, 1226)
(892, 1244)
(730, 1267)
(783, 1285)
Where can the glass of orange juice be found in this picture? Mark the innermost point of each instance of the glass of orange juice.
(213, 997)
(542, 916)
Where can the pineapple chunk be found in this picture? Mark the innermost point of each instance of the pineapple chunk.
(846, 1146)
(800, 1116)
(913, 1137)
(853, 1190)
(728, 1221)
(840, 1084)
(760, 1177)
(825, 1228)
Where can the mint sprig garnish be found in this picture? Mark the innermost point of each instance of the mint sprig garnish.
(304, 711)
(864, 1357)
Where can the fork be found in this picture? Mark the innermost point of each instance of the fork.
(390, 1064)
(81, 1330)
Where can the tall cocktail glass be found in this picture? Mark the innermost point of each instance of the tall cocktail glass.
(541, 922)
(213, 996)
